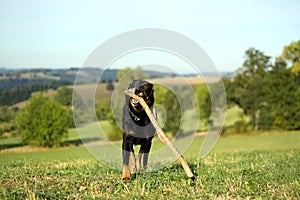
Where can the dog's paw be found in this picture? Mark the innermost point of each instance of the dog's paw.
(126, 176)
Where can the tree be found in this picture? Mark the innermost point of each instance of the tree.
(282, 107)
(248, 85)
(268, 93)
(136, 73)
(6, 120)
(123, 72)
(291, 54)
(64, 96)
(169, 101)
(103, 109)
(43, 122)
(204, 102)
(110, 86)
(256, 63)
(173, 109)
(6, 114)
(115, 133)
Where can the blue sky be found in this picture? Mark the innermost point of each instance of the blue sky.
(53, 34)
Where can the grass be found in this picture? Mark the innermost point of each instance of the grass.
(260, 166)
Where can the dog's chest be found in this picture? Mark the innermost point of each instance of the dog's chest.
(137, 123)
(139, 118)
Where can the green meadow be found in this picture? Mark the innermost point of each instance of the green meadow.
(252, 166)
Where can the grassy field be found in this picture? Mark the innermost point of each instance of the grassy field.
(259, 166)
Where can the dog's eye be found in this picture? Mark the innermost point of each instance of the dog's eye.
(141, 94)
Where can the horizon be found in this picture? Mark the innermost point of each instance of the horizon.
(112, 69)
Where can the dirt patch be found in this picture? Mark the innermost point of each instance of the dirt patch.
(26, 149)
(193, 80)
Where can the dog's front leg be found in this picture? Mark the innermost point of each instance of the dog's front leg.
(127, 149)
(126, 167)
(130, 167)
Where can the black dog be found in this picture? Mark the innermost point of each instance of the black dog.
(137, 128)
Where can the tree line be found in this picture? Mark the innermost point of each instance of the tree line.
(15, 90)
(268, 92)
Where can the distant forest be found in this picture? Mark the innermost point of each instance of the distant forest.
(16, 90)
(17, 85)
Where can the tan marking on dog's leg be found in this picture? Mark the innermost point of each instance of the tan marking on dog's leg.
(138, 163)
(126, 172)
(132, 162)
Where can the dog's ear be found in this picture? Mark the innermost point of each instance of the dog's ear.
(149, 89)
(151, 85)
(146, 86)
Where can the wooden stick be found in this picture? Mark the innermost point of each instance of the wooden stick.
(162, 136)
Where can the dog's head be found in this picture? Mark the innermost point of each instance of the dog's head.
(143, 89)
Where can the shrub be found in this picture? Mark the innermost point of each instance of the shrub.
(239, 127)
(115, 133)
(43, 122)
